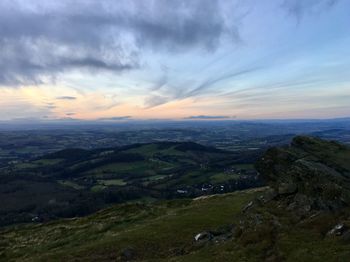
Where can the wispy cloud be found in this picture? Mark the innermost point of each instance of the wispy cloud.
(156, 100)
(207, 117)
(299, 8)
(201, 88)
(212, 81)
(66, 98)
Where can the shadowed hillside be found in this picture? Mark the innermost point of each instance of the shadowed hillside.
(302, 216)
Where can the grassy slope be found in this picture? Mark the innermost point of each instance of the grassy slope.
(164, 232)
(154, 231)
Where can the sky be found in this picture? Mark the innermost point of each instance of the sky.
(178, 59)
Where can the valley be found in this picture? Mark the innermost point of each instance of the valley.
(75, 182)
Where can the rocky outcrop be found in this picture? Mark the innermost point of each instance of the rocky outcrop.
(309, 191)
(309, 188)
(311, 173)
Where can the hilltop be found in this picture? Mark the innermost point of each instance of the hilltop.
(303, 215)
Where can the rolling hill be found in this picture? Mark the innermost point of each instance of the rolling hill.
(76, 182)
(303, 215)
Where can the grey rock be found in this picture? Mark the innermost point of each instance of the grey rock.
(337, 230)
(270, 195)
(249, 205)
(128, 254)
(312, 167)
(287, 188)
(203, 236)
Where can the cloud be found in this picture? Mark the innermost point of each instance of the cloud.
(41, 40)
(26, 119)
(160, 83)
(66, 119)
(66, 98)
(156, 100)
(202, 88)
(178, 25)
(299, 8)
(116, 118)
(212, 81)
(15, 109)
(208, 117)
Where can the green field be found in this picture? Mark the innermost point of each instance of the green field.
(148, 150)
(112, 182)
(70, 184)
(98, 188)
(223, 177)
(45, 162)
(121, 167)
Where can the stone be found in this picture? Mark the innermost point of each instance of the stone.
(287, 188)
(128, 254)
(337, 230)
(203, 236)
(249, 205)
(270, 195)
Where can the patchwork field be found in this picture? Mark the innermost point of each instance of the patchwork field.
(84, 181)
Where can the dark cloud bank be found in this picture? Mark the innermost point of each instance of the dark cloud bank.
(41, 39)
